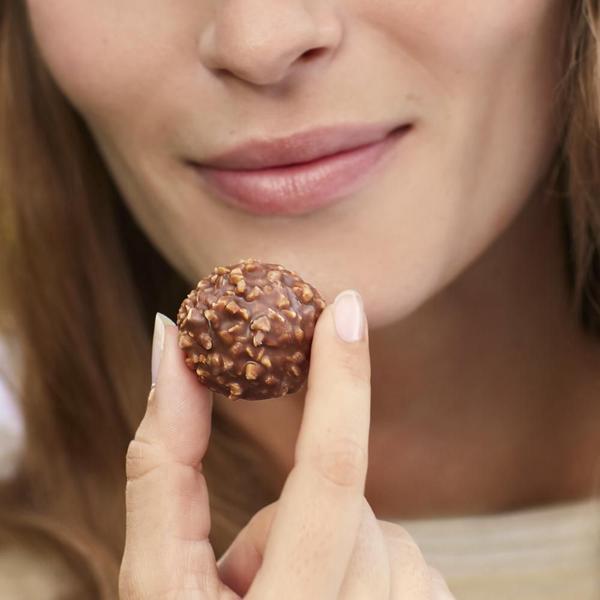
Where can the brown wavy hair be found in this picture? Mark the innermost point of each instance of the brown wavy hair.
(80, 284)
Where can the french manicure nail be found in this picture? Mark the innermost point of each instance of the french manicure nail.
(158, 342)
(349, 316)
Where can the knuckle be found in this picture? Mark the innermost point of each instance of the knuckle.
(265, 514)
(403, 542)
(261, 520)
(396, 532)
(343, 463)
(141, 458)
(410, 551)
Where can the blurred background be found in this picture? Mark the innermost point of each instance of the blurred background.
(11, 427)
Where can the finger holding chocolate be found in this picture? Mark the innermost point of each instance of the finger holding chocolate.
(247, 329)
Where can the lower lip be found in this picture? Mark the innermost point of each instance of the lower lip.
(301, 188)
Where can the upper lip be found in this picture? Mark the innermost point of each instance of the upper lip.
(300, 147)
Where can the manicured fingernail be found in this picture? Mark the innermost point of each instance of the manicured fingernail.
(349, 316)
(158, 342)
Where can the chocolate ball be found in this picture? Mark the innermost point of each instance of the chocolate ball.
(247, 329)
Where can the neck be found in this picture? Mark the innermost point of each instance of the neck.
(483, 398)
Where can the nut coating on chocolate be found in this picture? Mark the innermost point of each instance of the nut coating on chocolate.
(247, 329)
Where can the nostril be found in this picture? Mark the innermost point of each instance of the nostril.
(312, 53)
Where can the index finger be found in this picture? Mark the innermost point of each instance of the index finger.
(313, 534)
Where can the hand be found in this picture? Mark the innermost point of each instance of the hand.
(320, 540)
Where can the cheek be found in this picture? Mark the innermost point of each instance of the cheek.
(485, 73)
(76, 48)
(457, 37)
(108, 56)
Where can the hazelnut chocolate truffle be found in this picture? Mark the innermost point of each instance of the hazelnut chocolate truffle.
(247, 329)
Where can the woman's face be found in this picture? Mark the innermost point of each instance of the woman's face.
(163, 83)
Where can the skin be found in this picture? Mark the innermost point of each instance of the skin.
(477, 362)
(320, 539)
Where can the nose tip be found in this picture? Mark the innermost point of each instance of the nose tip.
(260, 41)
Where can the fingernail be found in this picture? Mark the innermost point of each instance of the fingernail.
(349, 316)
(158, 342)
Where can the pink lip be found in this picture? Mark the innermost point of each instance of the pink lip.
(304, 186)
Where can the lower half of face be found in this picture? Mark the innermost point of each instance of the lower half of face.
(475, 81)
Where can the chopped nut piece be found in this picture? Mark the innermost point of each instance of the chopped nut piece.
(270, 379)
(260, 353)
(266, 362)
(291, 314)
(273, 314)
(284, 338)
(282, 302)
(251, 371)
(254, 293)
(211, 315)
(215, 359)
(213, 279)
(185, 341)
(250, 351)
(274, 276)
(193, 317)
(240, 288)
(205, 341)
(298, 334)
(261, 324)
(258, 338)
(232, 307)
(237, 348)
(202, 373)
(295, 369)
(307, 293)
(221, 270)
(245, 314)
(236, 328)
(226, 336)
(228, 364)
(235, 389)
(297, 357)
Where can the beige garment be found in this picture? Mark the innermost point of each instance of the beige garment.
(549, 553)
(552, 553)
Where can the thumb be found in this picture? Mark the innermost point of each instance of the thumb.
(167, 548)
(238, 566)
